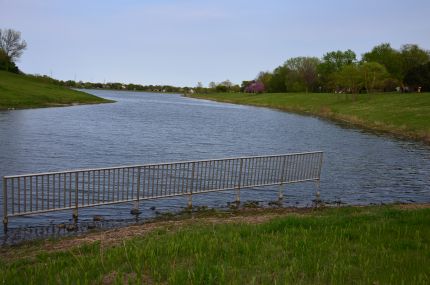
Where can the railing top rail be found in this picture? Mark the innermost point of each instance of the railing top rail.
(154, 164)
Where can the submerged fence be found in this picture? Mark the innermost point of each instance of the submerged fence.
(55, 191)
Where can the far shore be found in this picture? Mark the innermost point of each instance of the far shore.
(403, 115)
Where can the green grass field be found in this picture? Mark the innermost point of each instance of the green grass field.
(20, 91)
(406, 115)
(348, 245)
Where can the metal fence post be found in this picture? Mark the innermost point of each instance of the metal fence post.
(319, 178)
(75, 211)
(5, 219)
(190, 197)
(281, 191)
(135, 210)
(239, 182)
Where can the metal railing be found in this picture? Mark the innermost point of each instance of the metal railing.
(54, 191)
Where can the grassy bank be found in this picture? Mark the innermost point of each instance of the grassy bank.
(20, 91)
(362, 245)
(405, 115)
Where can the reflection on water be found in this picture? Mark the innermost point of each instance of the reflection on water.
(359, 168)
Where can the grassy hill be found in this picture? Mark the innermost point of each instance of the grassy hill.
(402, 114)
(21, 91)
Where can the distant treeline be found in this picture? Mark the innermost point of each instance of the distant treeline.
(382, 69)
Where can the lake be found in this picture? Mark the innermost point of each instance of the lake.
(359, 167)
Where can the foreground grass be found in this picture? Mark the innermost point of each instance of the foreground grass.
(20, 91)
(370, 245)
(406, 115)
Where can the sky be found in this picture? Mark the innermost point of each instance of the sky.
(185, 42)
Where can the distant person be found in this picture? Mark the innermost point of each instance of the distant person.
(419, 89)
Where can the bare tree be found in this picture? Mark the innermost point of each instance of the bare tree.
(11, 44)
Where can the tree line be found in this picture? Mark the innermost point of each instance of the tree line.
(381, 69)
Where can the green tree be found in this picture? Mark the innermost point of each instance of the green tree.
(373, 75)
(263, 77)
(277, 82)
(412, 56)
(349, 79)
(332, 62)
(388, 57)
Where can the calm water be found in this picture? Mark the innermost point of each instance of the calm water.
(359, 168)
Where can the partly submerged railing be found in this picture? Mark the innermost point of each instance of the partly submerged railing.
(54, 191)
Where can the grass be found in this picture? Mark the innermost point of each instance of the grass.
(350, 245)
(20, 92)
(406, 115)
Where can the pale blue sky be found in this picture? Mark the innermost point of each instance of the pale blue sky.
(184, 42)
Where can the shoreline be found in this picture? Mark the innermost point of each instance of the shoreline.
(324, 112)
(248, 214)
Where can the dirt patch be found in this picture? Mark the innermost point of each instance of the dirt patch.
(116, 236)
(413, 206)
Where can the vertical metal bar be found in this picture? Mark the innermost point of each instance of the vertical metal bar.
(132, 183)
(247, 172)
(213, 174)
(128, 182)
(94, 185)
(182, 174)
(43, 192)
(123, 184)
(98, 186)
(59, 190)
(118, 184)
(205, 184)
(104, 185)
(282, 179)
(253, 171)
(25, 194)
(70, 189)
(136, 204)
(113, 185)
(75, 212)
(37, 193)
(88, 187)
(240, 179)
(201, 179)
(153, 181)
(64, 189)
(157, 192)
(190, 197)
(171, 179)
(47, 191)
(19, 195)
(53, 190)
(31, 193)
(83, 189)
(175, 188)
(5, 215)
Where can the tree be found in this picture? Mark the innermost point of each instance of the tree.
(412, 56)
(373, 75)
(349, 79)
(263, 77)
(333, 62)
(419, 76)
(11, 44)
(277, 82)
(388, 57)
(255, 87)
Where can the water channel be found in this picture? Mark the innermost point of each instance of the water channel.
(359, 167)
